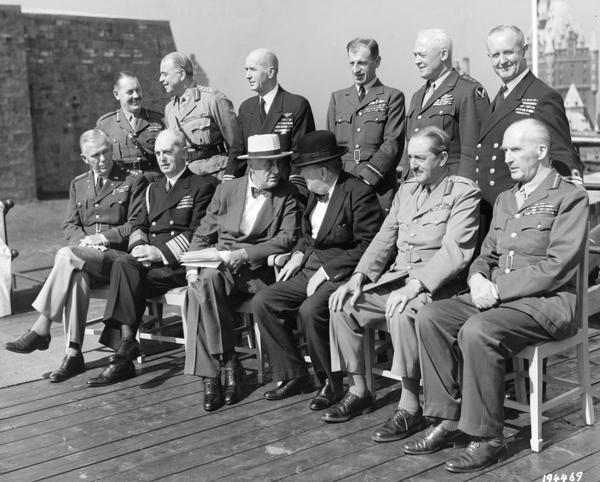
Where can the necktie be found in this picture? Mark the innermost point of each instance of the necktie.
(500, 98)
(258, 192)
(428, 93)
(423, 195)
(99, 184)
(361, 93)
(133, 122)
(322, 198)
(521, 197)
(263, 110)
(168, 186)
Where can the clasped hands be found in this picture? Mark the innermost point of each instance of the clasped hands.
(484, 293)
(97, 241)
(146, 254)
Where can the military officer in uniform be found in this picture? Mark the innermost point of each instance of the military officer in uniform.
(453, 102)
(368, 119)
(174, 205)
(522, 95)
(522, 291)
(204, 116)
(273, 111)
(132, 129)
(430, 235)
(103, 204)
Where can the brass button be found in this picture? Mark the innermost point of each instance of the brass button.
(513, 235)
(492, 183)
(478, 146)
(358, 129)
(476, 169)
(495, 145)
(493, 158)
(172, 233)
(492, 170)
(476, 158)
(153, 223)
(416, 129)
(419, 116)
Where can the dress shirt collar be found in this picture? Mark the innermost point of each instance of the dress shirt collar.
(366, 86)
(175, 178)
(269, 97)
(532, 185)
(514, 82)
(437, 82)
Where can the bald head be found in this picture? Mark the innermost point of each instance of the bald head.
(433, 53)
(261, 68)
(526, 145)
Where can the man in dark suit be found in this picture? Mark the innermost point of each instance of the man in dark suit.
(273, 111)
(341, 218)
(103, 204)
(173, 207)
(249, 219)
(454, 102)
(521, 96)
(522, 291)
(132, 129)
(368, 119)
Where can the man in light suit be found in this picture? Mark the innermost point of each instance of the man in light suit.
(249, 219)
(204, 116)
(273, 111)
(454, 102)
(522, 291)
(521, 96)
(341, 218)
(174, 205)
(103, 204)
(368, 119)
(430, 235)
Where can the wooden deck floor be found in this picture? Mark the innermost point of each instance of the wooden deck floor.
(153, 427)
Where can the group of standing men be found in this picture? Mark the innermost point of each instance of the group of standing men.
(365, 253)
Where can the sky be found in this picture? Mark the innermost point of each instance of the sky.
(309, 36)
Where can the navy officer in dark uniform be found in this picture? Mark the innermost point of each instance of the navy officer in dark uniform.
(174, 205)
(132, 129)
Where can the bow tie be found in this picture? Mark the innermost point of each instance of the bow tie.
(257, 192)
(322, 198)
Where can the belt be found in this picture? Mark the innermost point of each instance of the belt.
(206, 151)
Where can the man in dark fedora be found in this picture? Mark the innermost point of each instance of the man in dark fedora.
(249, 219)
(342, 216)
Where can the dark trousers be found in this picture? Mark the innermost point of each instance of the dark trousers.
(278, 308)
(131, 283)
(463, 353)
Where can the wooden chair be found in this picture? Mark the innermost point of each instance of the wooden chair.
(373, 348)
(535, 356)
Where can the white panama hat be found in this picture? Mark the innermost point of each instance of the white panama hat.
(264, 146)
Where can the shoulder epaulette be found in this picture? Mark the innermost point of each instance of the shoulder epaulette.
(107, 115)
(81, 176)
(468, 78)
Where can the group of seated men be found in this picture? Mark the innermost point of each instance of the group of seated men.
(453, 321)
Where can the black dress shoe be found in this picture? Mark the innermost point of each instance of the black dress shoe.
(479, 454)
(117, 371)
(435, 438)
(289, 388)
(233, 381)
(212, 393)
(325, 397)
(70, 366)
(28, 342)
(129, 349)
(401, 424)
(348, 407)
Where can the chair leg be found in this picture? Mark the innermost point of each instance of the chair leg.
(260, 359)
(583, 369)
(520, 389)
(142, 358)
(369, 351)
(535, 401)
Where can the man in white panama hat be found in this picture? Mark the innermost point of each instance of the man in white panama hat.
(249, 218)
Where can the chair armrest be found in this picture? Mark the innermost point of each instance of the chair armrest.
(278, 260)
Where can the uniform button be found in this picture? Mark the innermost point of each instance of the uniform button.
(360, 113)
(511, 252)
(153, 235)
(410, 246)
(96, 205)
(495, 145)
(419, 116)
(441, 112)
(517, 216)
(172, 233)
(120, 202)
(376, 119)
(415, 221)
(153, 223)
(339, 119)
(171, 222)
(493, 158)
(513, 235)
(358, 129)
(478, 146)
(492, 183)
(476, 182)
(476, 158)
(356, 146)
(416, 129)
(97, 216)
(539, 226)
(476, 169)
(492, 170)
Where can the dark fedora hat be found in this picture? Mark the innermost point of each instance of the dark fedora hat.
(316, 147)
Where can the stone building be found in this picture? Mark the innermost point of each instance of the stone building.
(56, 75)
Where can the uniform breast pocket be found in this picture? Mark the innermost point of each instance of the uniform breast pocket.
(198, 129)
(374, 126)
(436, 218)
(343, 127)
(442, 116)
(536, 223)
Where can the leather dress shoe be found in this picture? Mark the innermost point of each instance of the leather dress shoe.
(435, 438)
(325, 397)
(479, 454)
(28, 342)
(117, 371)
(400, 425)
(348, 407)
(233, 381)
(212, 393)
(289, 388)
(129, 349)
(70, 366)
